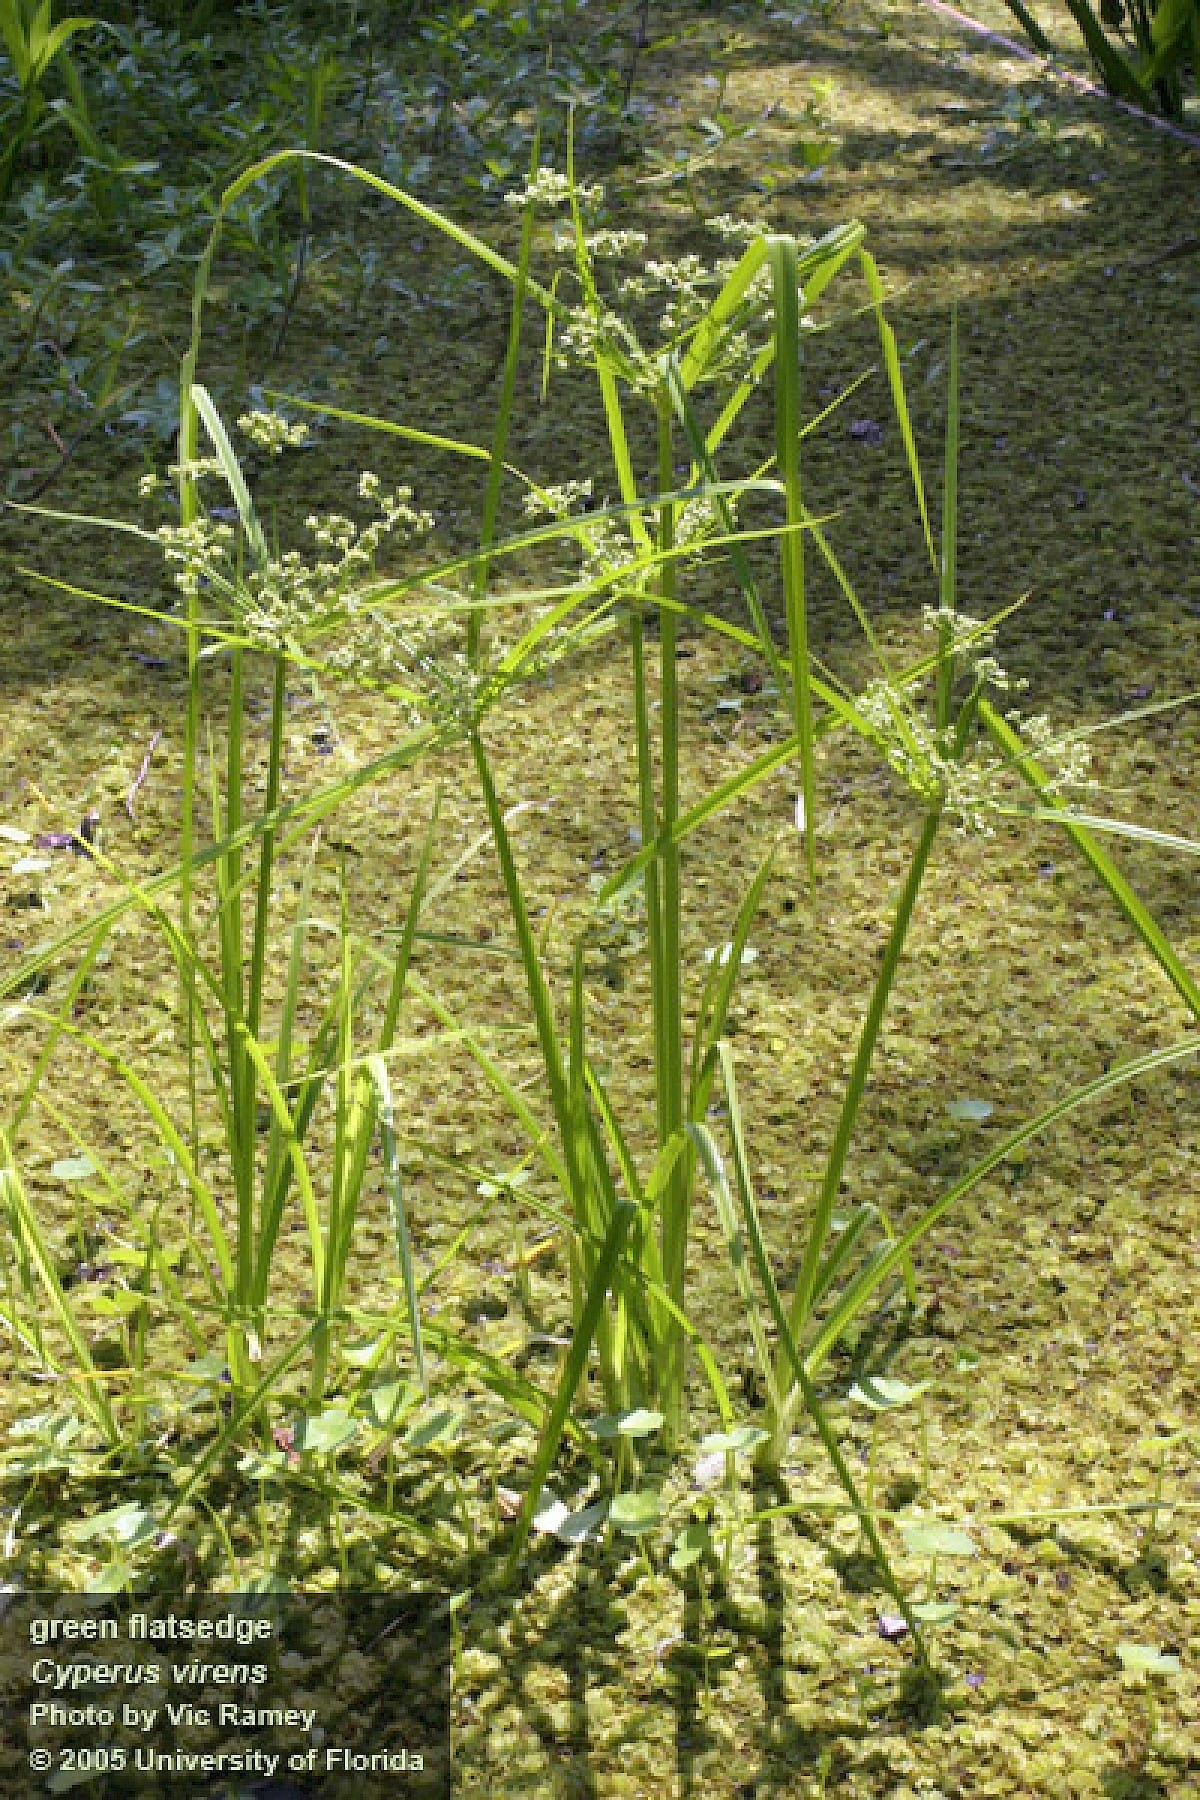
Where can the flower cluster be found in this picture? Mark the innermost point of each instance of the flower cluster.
(271, 432)
(605, 544)
(942, 772)
(421, 663)
(608, 246)
(972, 644)
(674, 293)
(551, 188)
(286, 598)
(201, 550)
(557, 501)
(195, 470)
(733, 230)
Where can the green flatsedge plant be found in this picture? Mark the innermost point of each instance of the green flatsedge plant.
(836, 1282)
(253, 1062)
(630, 1230)
(624, 1208)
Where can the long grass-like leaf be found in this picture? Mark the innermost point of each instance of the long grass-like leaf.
(852, 1301)
(891, 362)
(794, 1365)
(800, 1306)
(727, 1215)
(231, 468)
(395, 1192)
(500, 434)
(786, 293)
(1131, 907)
(27, 1233)
(571, 1379)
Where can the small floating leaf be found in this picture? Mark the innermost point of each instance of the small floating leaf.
(72, 1168)
(733, 1443)
(326, 1432)
(127, 1524)
(693, 1542)
(933, 1537)
(583, 1524)
(120, 1303)
(635, 1513)
(971, 1112)
(388, 1402)
(640, 1422)
(114, 1578)
(707, 1471)
(935, 1612)
(551, 1514)
(881, 1392)
(1146, 1659)
(445, 1422)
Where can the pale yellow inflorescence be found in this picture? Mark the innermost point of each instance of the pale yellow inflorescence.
(971, 789)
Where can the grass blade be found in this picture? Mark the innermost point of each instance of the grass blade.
(785, 283)
(868, 1282)
(27, 1234)
(395, 1192)
(1126, 899)
(571, 1379)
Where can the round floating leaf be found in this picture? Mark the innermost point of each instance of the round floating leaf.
(882, 1392)
(259, 1465)
(122, 1303)
(733, 1443)
(327, 1432)
(1147, 1659)
(635, 1513)
(128, 1524)
(388, 1402)
(935, 1612)
(971, 1112)
(550, 1515)
(693, 1542)
(116, 1577)
(933, 1537)
(72, 1168)
(708, 1470)
(583, 1524)
(446, 1422)
(640, 1422)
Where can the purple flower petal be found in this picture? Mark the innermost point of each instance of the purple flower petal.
(866, 431)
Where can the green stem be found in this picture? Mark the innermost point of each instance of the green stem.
(818, 1234)
(668, 997)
